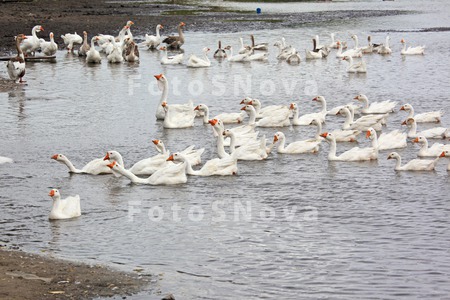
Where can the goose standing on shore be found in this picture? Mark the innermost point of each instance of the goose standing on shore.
(175, 41)
(32, 42)
(16, 65)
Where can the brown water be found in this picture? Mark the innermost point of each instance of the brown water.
(293, 226)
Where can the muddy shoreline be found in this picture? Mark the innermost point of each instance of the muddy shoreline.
(26, 276)
(108, 17)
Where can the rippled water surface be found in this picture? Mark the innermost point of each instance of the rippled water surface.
(293, 226)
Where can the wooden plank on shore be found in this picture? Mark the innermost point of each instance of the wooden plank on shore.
(30, 58)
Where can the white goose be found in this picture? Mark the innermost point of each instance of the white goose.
(359, 67)
(226, 118)
(171, 60)
(307, 119)
(64, 208)
(339, 135)
(32, 43)
(244, 133)
(413, 165)
(163, 84)
(217, 166)
(392, 140)
(361, 123)
(175, 119)
(266, 111)
(95, 167)
(315, 53)
(241, 57)
(284, 51)
(93, 56)
(252, 150)
(354, 154)
(173, 174)
(115, 56)
(382, 118)
(244, 48)
(432, 151)
(427, 117)
(384, 48)
(5, 160)
(71, 39)
(298, 147)
(153, 41)
(193, 155)
(262, 56)
(85, 47)
(418, 50)
(277, 120)
(197, 62)
(382, 107)
(432, 133)
(349, 52)
(49, 48)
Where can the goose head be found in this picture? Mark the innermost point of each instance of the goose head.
(319, 99)
(176, 157)
(182, 24)
(200, 107)
(327, 136)
(112, 156)
(445, 154)
(213, 122)
(54, 193)
(227, 132)
(160, 77)
(129, 23)
(343, 111)
(248, 108)
(393, 155)
(21, 37)
(402, 41)
(38, 28)
(315, 122)
(408, 122)
(160, 147)
(420, 139)
(246, 100)
(371, 133)
(59, 157)
(206, 49)
(293, 106)
(113, 165)
(160, 26)
(278, 136)
(361, 97)
(406, 107)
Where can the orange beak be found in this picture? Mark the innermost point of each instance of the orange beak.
(275, 138)
(243, 108)
(356, 98)
(52, 193)
(170, 158)
(402, 108)
(106, 156)
(131, 23)
(292, 106)
(197, 108)
(402, 41)
(55, 156)
(158, 77)
(315, 99)
(416, 140)
(213, 122)
(42, 28)
(324, 135)
(182, 24)
(162, 27)
(404, 122)
(156, 142)
(111, 165)
(343, 58)
(250, 103)
(164, 104)
(338, 113)
(242, 102)
(442, 154)
(368, 134)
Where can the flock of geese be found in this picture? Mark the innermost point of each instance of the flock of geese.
(118, 49)
(241, 141)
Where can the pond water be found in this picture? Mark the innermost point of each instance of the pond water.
(291, 227)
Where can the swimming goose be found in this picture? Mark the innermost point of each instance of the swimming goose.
(175, 41)
(16, 65)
